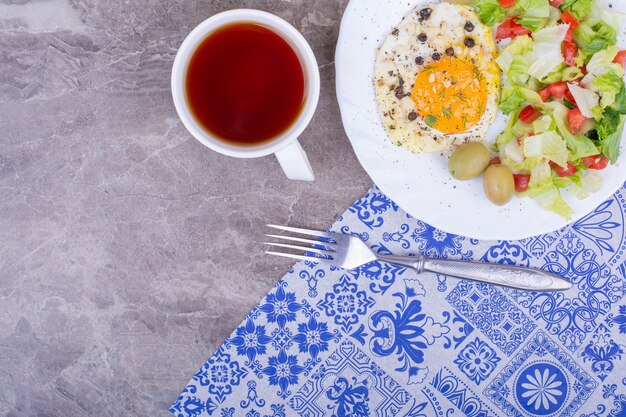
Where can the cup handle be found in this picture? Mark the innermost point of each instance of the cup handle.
(295, 163)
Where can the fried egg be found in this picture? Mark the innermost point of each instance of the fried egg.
(437, 83)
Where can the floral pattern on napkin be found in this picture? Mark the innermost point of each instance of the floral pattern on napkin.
(384, 341)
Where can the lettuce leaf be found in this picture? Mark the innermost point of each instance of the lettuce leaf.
(489, 11)
(552, 200)
(518, 47)
(533, 23)
(546, 56)
(540, 179)
(542, 188)
(579, 8)
(602, 62)
(518, 71)
(597, 113)
(513, 97)
(599, 13)
(562, 73)
(579, 146)
(543, 123)
(620, 101)
(564, 182)
(581, 58)
(610, 130)
(571, 74)
(520, 129)
(608, 124)
(555, 16)
(590, 183)
(548, 145)
(585, 99)
(533, 14)
(609, 85)
(507, 134)
(513, 155)
(594, 38)
(538, 8)
(556, 75)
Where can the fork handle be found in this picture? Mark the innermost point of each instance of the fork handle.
(523, 278)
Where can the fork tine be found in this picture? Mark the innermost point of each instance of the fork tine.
(302, 248)
(330, 245)
(302, 231)
(299, 257)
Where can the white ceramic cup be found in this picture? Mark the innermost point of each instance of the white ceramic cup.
(286, 147)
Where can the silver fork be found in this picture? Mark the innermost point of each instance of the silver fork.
(350, 252)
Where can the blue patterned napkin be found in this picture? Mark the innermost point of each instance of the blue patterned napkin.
(383, 341)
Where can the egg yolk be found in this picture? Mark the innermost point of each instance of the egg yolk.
(450, 94)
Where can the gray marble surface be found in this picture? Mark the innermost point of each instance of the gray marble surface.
(130, 251)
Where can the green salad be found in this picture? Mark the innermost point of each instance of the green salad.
(564, 94)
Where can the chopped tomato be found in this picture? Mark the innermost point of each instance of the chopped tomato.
(589, 161)
(602, 163)
(545, 93)
(558, 89)
(584, 69)
(595, 162)
(556, 3)
(529, 114)
(576, 120)
(569, 19)
(510, 29)
(563, 172)
(520, 30)
(620, 58)
(570, 52)
(569, 96)
(495, 161)
(521, 182)
(507, 3)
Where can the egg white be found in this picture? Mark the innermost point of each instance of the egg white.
(396, 68)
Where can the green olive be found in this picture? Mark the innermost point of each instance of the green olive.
(468, 161)
(498, 184)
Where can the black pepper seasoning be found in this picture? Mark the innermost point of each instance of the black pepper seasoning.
(419, 60)
(436, 56)
(469, 42)
(412, 116)
(422, 37)
(469, 26)
(425, 13)
(450, 51)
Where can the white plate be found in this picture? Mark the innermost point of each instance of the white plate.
(421, 184)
